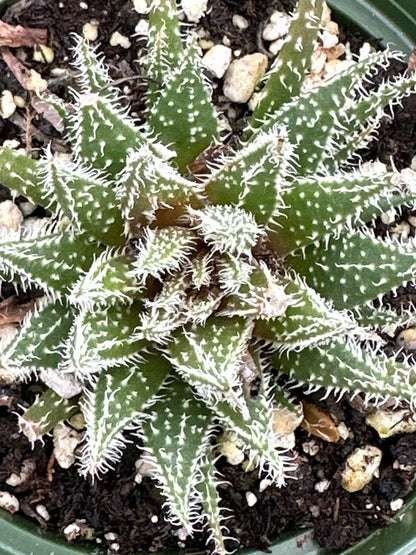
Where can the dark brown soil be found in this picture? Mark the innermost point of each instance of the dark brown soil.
(116, 504)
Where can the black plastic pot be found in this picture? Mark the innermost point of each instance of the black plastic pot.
(394, 23)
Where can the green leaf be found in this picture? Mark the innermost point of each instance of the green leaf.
(254, 177)
(343, 365)
(260, 296)
(148, 184)
(209, 358)
(355, 267)
(20, 173)
(53, 261)
(316, 207)
(103, 338)
(211, 504)
(115, 402)
(39, 343)
(109, 280)
(226, 228)
(313, 119)
(43, 415)
(85, 197)
(257, 434)
(358, 120)
(165, 49)
(176, 436)
(308, 320)
(163, 251)
(183, 116)
(293, 63)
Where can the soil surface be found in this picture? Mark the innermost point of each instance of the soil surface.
(119, 514)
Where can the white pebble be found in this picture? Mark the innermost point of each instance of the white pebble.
(72, 531)
(140, 6)
(277, 27)
(401, 231)
(90, 30)
(217, 60)
(143, 468)
(10, 215)
(35, 82)
(329, 40)
(194, 9)
(43, 512)
(412, 220)
(230, 446)
(276, 46)
(407, 339)
(360, 468)
(182, 533)
(117, 39)
(322, 486)
(142, 28)
(388, 217)
(110, 536)
(14, 479)
(7, 104)
(9, 502)
(63, 384)
(396, 504)
(264, 484)
(251, 498)
(83, 5)
(154, 519)
(43, 54)
(391, 422)
(65, 441)
(240, 22)
(27, 207)
(243, 75)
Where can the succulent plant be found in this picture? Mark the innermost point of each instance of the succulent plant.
(169, 297)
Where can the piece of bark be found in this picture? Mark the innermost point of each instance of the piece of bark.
(17, 35)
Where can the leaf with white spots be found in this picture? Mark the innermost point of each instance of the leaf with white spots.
(20, 173)
(252, 179)
(52, 261)
(176, 436)
(39, 344)
(309, 318)
(226, 228)
(342, 365)
(291, 67)
(114, 402)
(211, 504)
(163, 251)
(317, 207)
(183, 116)
(148, 184)
(86, 197)
(313, 119)
(103, 338)
(256, 432)
(209, 358)
(109, 280)
(46, 411)
(359, 120)
(165, 48)
(355, 267)
(262, 296)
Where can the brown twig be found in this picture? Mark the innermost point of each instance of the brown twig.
(16, 35)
